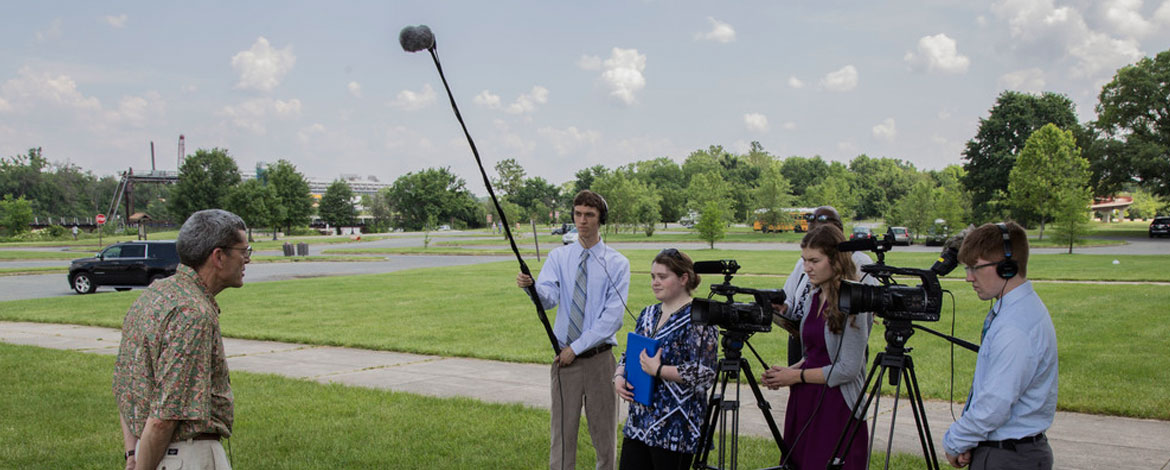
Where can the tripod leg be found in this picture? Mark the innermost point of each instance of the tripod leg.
(765, 407)
(919, 409)
(853, 426)
(711, 420)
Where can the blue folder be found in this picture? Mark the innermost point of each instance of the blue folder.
(643, 383)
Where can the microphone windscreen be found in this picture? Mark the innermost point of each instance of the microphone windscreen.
(416, 38)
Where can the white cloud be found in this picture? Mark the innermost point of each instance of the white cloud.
(844, 79)
(309, 133)
(623, 74)
(796, 83)
(569, 139)
(4, 106)
(1099, 52)
(720, 32)
(50, 33)
(526, 102)
(847, 148)
(189, 89)
(139, 111)
(938, 53)
(789, 125)
(262, 67)
(399, 138)
(253, 115)
(31, 90)
(116, 21)
(943, 114)
(412, 101)
(1125, 17)
(886, 130)
(1052, 30)
(290, 108)
(755, 122)
(488, 99)
(1162, 15)
(355, 89)
(592, 62)
(1029, 80)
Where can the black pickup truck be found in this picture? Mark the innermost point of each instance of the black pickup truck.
(124, 265)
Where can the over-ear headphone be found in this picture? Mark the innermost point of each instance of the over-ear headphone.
(1008, 268)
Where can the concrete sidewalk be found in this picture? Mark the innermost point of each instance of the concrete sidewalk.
(1080, 441)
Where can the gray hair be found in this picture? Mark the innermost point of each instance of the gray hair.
(205, 231)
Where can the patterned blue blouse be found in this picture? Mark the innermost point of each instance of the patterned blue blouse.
(674, 421)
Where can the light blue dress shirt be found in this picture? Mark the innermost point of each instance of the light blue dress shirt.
(606, 292)
(1014, 389)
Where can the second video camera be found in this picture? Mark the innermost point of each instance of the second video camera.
(731, 315)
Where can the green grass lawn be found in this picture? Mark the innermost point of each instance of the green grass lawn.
(1108, 335)
(59, 413)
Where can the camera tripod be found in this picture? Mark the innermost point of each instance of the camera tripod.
(718, 407)
(897, 361)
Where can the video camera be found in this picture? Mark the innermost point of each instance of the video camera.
(892, 301)
(730, 315)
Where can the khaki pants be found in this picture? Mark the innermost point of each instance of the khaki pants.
(586, 381)
(197, 455)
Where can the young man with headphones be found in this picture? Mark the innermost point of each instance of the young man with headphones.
(1013, 393)
(590, 281)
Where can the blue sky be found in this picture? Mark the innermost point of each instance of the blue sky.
(557, 85)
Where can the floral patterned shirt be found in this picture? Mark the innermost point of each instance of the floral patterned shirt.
(171, 363)
(674, 419)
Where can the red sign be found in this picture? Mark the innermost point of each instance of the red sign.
(101, 219)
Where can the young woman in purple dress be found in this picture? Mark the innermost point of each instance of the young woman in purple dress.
(825, 384)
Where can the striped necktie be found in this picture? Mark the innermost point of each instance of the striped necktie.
(577, 309)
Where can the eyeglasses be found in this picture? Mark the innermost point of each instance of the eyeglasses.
(971, 269)
(247, 250)
(821, 218)
(671, 252)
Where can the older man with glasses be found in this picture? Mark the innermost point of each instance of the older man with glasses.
(797, 287)
(171, 376)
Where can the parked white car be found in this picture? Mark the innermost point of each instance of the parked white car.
(570, 236)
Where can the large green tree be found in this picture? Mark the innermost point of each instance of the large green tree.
(204, 180)
(803, 172)
(710, 187)
(773, 194)
(631, 202)
(991, 154)
(256, 203)
(1050, 167)
(667, 178)
(835, 189)
(537, 196)
(435, 193)
(510, 176)
(916, 210)
(293, 191)
(337, 208)
(879, 182)
(1133, 112)
(711, 226)
(15, 214)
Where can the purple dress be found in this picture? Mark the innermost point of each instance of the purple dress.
(814, 448)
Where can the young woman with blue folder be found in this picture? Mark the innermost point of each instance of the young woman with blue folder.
(665, 434)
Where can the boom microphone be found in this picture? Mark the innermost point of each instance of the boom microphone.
(416, 38)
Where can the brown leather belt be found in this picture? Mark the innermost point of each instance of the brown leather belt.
(594, 351)
(207, 436)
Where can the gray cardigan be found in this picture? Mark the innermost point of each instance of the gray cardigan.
(848, 370)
